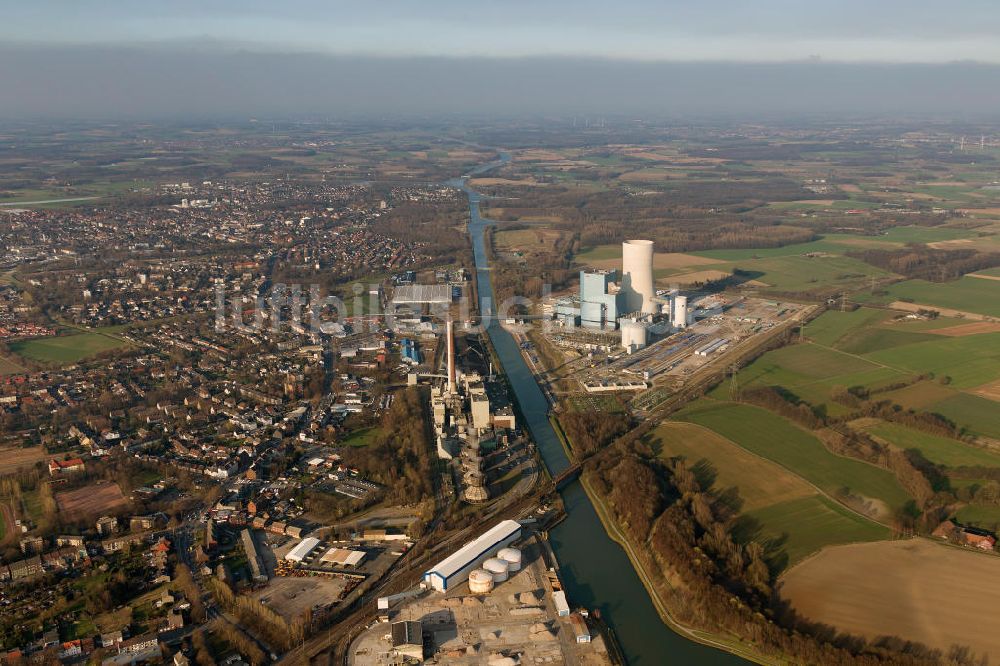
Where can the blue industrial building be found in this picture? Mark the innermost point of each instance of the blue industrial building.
(601, 302)
(409, 352)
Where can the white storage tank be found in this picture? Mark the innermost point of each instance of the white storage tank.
(512, 556)
(633, 334)
(480, 581)
(498, 568)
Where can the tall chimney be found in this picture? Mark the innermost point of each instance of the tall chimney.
(451, 356)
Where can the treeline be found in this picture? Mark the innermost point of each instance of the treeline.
(926, 263)
(272, 627)
(589, 432)
(712, 581)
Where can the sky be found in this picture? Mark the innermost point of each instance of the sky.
(738, 30)
(749, 58)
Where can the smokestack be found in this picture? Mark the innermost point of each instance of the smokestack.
(451, 357)
(637, 276)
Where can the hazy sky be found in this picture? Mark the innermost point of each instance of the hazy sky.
(732, 58)
(745, 30)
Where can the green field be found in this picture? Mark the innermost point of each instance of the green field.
(970, 361)
(810, 371)
(599, 253)
(987, 517)
(774, 438)
(66, 348)
(760, 482)
(940, 450)
(807, 524)
(979, 415)
(362, 437)
(831, 326)
(967, 294)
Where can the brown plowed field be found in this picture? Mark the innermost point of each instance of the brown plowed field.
(91, 501)
(915, 589)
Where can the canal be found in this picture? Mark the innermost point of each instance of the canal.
(595, 570)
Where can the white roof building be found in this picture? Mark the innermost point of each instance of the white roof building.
(302, 549)
(455, 568)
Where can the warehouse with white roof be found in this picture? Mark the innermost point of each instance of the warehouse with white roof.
(302, 549)
(455, 568)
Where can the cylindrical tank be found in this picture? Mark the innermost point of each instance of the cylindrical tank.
(512, 556)
(637, 276)
(498, 568)
(480, 581)
(634, 335)
(680, 311)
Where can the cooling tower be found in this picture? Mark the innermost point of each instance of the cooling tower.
(637, 276)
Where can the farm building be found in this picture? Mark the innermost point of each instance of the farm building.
(455, 568)
(302, 549)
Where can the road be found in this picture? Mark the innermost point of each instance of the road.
(14, 204)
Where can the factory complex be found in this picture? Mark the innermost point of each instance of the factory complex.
(486, 603)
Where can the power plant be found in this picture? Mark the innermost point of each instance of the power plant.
(625, 300)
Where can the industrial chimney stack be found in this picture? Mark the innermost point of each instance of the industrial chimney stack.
(450, 334)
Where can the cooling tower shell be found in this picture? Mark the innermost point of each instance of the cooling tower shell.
(637, 276)
(480, 581)
(498, 568)
(512, 556)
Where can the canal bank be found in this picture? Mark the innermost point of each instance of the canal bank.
(595, 570)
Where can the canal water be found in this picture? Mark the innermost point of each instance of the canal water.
(595, 570)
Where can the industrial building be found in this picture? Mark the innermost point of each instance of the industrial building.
(601, 299)
(302, 549)
(343, 557)
(420, 294)
(409, 352)
(407, 639)
(455, 568)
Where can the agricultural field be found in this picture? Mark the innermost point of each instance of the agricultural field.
(760, 482)
(874, 349)
(14, 459)
(65, 349)
(914, 589)
(967, 294)
(939, 450)
(90, 501)
(779, 508)
(806, 525)
(978, 515)
(10, 367)
(771, 436)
